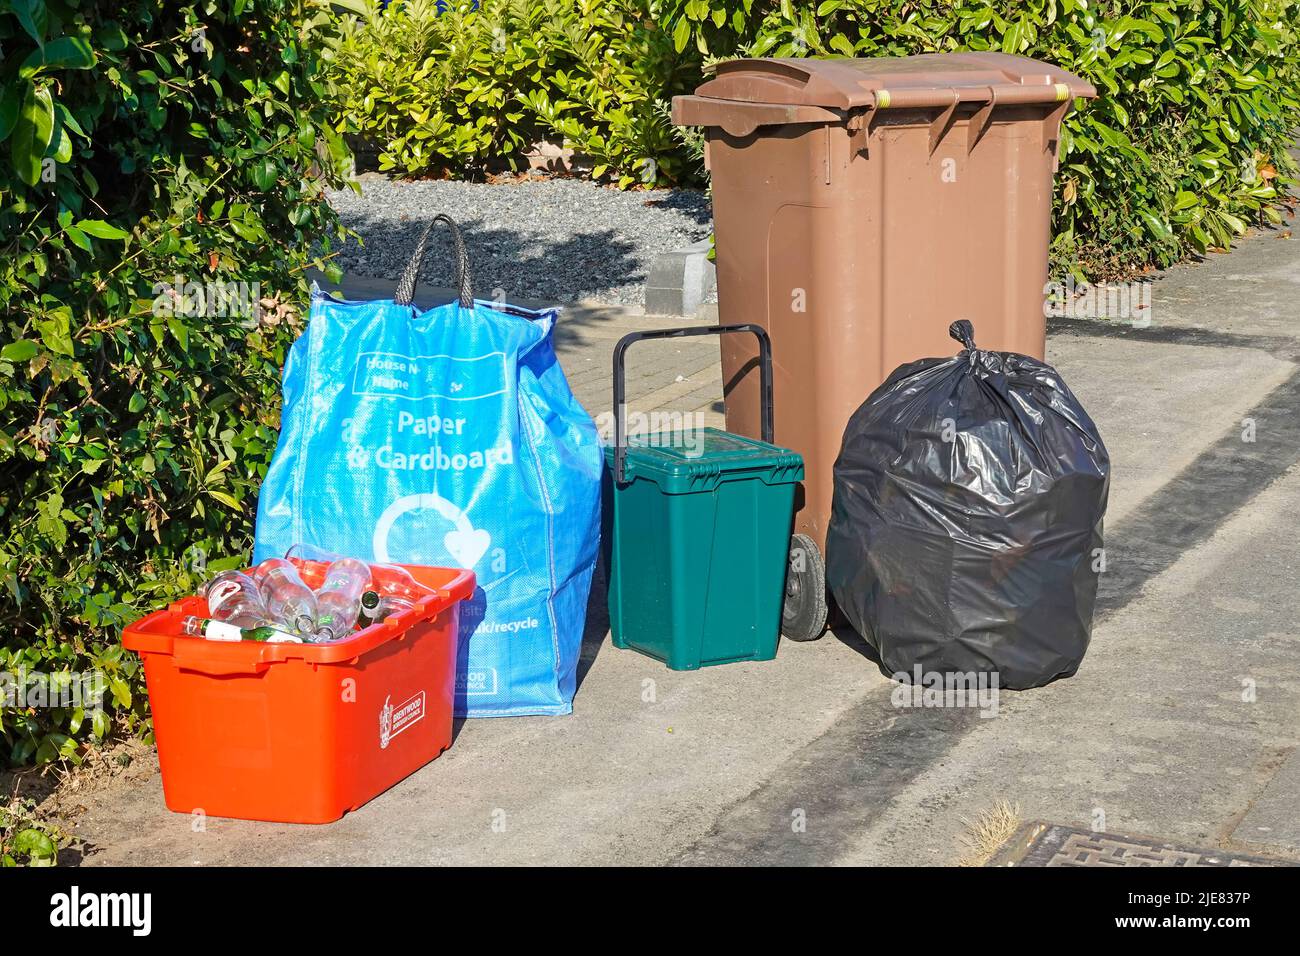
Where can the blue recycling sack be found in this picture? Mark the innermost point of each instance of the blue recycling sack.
(448, 437)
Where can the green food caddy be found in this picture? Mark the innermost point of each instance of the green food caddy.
(697, 531)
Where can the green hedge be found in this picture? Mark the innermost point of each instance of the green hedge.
(26, 840)
(1185, 147)
(469, 87)
(143, 146)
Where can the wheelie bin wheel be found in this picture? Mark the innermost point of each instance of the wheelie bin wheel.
(803, 616)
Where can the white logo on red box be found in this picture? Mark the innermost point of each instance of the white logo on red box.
(394, 720)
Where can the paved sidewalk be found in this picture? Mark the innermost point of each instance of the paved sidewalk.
(1179, 719)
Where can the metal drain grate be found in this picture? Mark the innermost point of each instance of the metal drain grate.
(1049, 844)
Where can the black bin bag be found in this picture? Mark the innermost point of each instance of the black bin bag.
(965, 533)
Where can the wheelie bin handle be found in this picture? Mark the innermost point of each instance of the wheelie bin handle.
(620, 400)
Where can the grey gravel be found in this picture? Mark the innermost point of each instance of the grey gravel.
(555, 239)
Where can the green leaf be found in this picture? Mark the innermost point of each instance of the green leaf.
(111, 37)
(1157, 226)
(67, 120)
(841, 44)
(19, 351)
(1236, 224)
(1011, 40)
(32, 132)
(120, 690)
(180, 333)
(65, 53)
(264, 173)
(62, 152)
(78, 238)
(101, 230)
(681, 34)
(35, 844)
(31, 14)
(10, 99)
(49, 521)
(228, 500)
(55, 333)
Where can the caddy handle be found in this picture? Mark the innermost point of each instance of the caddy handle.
(620, 394)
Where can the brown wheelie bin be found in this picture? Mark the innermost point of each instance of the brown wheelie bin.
(860, 206)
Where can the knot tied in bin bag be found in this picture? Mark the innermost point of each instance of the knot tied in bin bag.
(966, 527)
(448, 437)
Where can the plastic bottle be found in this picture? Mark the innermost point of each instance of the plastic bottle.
(289, 603)
(388, 579)
(338, 599)
(209, 629)
(235, 598)
(389, 604)
(395, 581)
(302, 553)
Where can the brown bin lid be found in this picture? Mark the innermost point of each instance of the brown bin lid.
(928, 80)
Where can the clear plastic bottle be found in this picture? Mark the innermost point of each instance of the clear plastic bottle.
(338, 599)
(289, 602)
(304, 554)
(301, 553)
(389, 579)
(390, 604)
(395, 581)
(235, 598)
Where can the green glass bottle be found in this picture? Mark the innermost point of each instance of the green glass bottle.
(210, 630)
(370, 611)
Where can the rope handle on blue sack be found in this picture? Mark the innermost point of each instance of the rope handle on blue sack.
(405, 293)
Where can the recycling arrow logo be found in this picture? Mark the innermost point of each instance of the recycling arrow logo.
(465, 543)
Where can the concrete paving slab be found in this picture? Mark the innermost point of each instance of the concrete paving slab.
(1273, 821)
(1158, 404)
(1253, 290)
